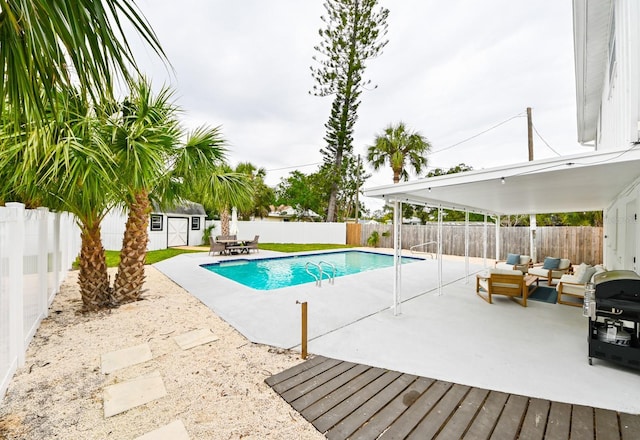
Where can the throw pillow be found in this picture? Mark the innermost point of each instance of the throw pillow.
(551, 263)
(587, 274)
(578, 271)
(513, 259)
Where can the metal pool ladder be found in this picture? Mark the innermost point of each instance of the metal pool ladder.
(332, 277)
(318, 277)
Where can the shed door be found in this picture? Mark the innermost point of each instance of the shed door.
(178, 231)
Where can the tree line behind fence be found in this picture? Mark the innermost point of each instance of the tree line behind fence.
(577, 243)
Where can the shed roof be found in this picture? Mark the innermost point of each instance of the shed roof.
(185, 208)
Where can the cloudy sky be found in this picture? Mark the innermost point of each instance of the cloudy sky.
(461, 72)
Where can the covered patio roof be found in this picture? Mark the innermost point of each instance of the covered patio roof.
(584, 182)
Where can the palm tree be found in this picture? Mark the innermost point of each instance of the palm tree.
(152, 163)
(263, 195)
(143, 136)
(42, 41)
(67, 167)
(397, 146)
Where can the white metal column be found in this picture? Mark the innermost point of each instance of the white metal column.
(497, 237)
(466, 246)
(440, 250)
(397, 274)
(532, 232)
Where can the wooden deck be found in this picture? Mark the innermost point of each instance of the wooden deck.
(346, 400)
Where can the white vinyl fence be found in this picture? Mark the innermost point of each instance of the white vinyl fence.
(288, 232)
(37, 247)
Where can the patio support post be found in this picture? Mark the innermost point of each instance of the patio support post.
(397, 222)
(532, 235)
(497, 237)
(440, 213)
(466, 246)
(484, 241)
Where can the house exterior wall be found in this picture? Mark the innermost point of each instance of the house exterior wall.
(621, 232)
(618, 128)
(620, 101)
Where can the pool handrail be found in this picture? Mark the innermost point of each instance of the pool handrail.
(317, 278)
(333, 268)
(413, 251)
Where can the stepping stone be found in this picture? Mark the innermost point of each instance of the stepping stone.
(126, 395)
(174, 431)
(194, 338)
(116, 360)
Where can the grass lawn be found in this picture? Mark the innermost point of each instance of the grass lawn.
(113, 257)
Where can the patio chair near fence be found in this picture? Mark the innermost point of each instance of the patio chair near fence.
(253, 244)
(552, 269)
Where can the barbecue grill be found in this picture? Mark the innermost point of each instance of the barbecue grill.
(612, 304)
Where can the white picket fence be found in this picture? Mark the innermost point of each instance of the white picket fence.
(37, 248)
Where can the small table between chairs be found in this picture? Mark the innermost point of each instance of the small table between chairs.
(234, 246)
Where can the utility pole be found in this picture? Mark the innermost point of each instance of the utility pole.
(530, 133)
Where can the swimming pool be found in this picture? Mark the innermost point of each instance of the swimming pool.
(279, 272)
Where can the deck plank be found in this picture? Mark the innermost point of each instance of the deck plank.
(327, 387)
(511, 418)
(535, 420)
(370, 407)
(314, 382)
(347, 400)
(487, 416)
(581, 422)
(384, 418)
(416, 411)
(559, 421)
(305, 375)
(340, 395)
(466, 412)
(355, 402)
(294, 371)
(437, 418)
(630, 426)
(607, 426)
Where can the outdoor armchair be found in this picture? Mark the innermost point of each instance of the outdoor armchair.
(551, 269)
(215, 246)
(571, 287)
(515, 262)
(253, 244)
(507, 282)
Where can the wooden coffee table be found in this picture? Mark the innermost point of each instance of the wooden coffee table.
(529, 280)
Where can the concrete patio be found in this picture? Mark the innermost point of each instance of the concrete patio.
(538, 351)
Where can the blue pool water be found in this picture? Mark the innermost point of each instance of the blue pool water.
(275, 273)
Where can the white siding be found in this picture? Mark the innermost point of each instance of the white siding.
(619, 113)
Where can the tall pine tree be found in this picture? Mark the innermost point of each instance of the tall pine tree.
(354, 33)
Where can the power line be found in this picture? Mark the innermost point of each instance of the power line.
(543, 140)
(294, 166)
(519, 115)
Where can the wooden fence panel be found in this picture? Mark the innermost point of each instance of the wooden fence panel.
(354, 234)
(577, 243)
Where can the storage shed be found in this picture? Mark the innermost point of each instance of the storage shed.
(182, 225)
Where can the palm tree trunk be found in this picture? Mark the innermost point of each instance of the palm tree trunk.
(130, 277)
(93, 277)
(224, 222)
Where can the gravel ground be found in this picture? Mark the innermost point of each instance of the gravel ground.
(217, 390)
